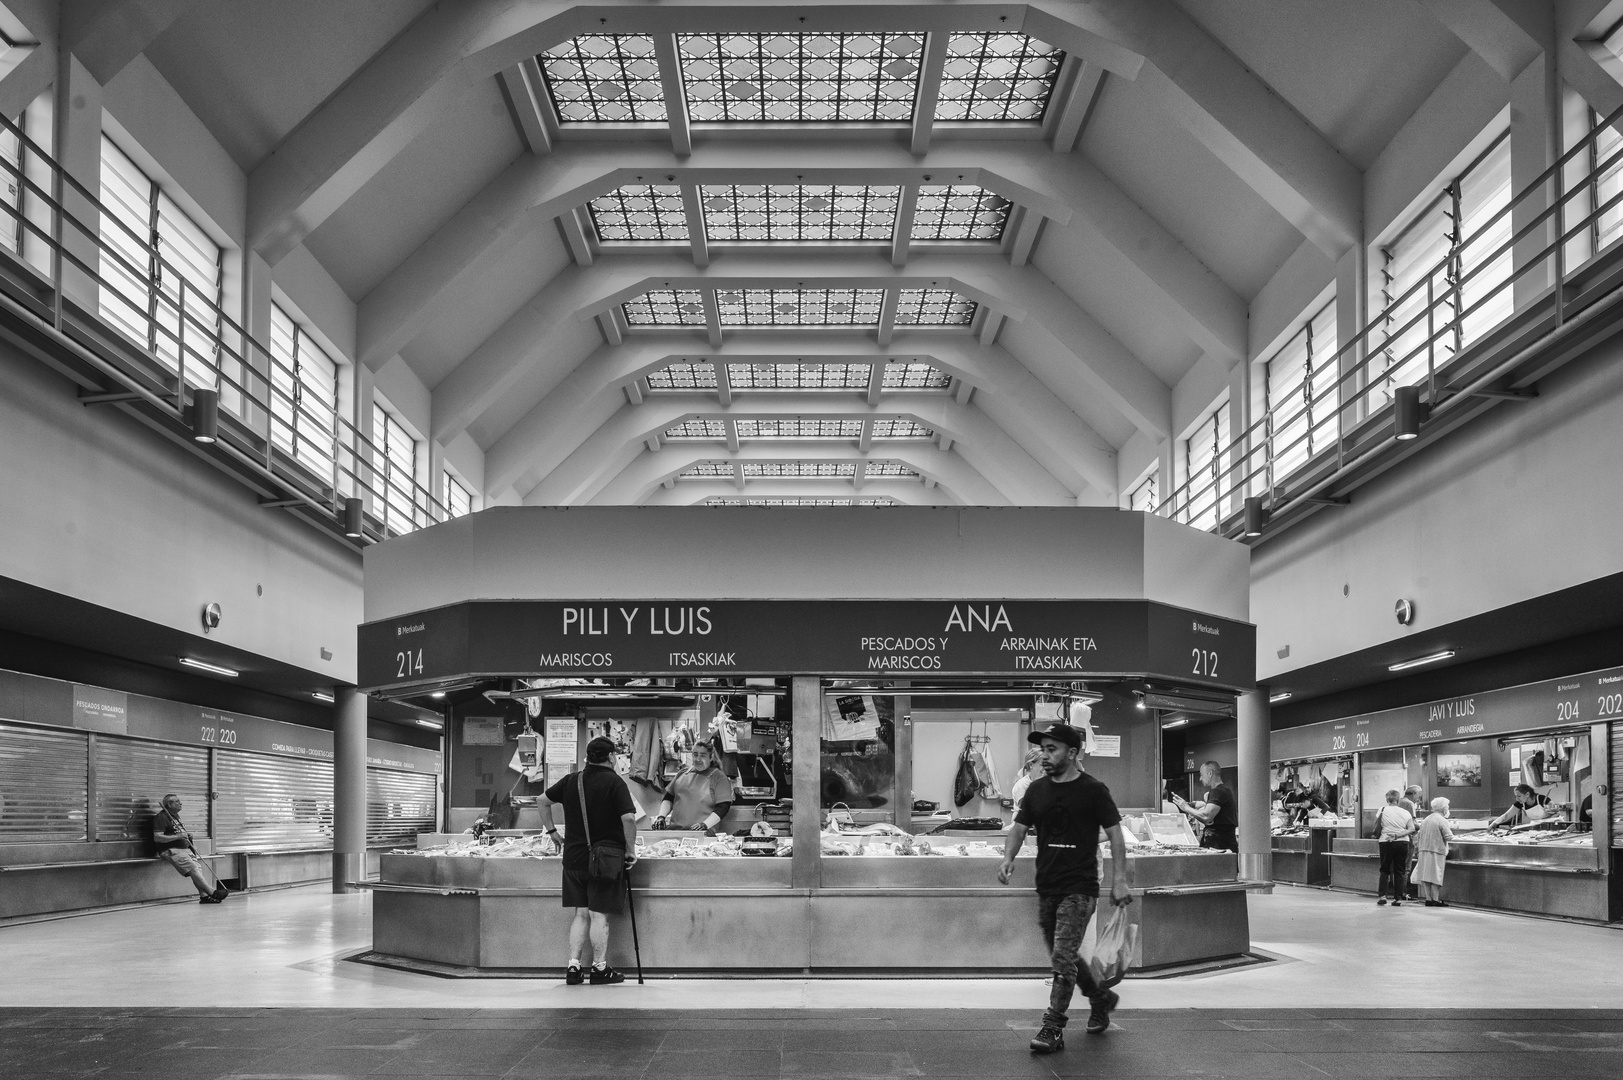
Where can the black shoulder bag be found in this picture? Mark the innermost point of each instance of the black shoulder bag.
(605, 859)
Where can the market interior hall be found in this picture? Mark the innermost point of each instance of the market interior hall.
(870, 448)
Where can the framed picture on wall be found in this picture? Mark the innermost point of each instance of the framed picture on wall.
(1459, 770)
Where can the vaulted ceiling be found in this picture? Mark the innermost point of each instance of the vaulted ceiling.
(906, 251)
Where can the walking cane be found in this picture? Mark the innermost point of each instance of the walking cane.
(635, 944)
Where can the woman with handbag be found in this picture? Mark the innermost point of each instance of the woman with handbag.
(599, 845)
(1394, 826)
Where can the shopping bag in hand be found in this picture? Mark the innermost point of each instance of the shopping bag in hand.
(1115, 948)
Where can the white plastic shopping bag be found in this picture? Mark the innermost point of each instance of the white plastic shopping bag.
(1115, 948)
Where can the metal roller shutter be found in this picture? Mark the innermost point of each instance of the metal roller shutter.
(132, 777)
(271, 803)
(1617, 778)
(43, 784)
(399, 805)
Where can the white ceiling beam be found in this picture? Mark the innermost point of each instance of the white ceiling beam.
(865, 440)
(712, 316)
(738, 473)
(574, 232)
(1023, 236)
(697, 240)
(724, 385)
(1077, 108)
(1507, 36)
(445, 270)
(1225, 106)
(989, 328)
(887, 317)
(676, 103)
(732, 434)
(609, 323)
(935, 58)
(1020, 403)
(862, 466)
(876, 382)
(695, 492)
(103, 36)
(525, 98)
(901, 239)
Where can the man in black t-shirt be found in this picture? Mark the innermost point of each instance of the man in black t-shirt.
(611, 815)
(1219, 813)
(174, 844)
(1068, 808)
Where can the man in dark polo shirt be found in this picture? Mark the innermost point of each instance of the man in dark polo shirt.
(1068, 808)
(613, 816)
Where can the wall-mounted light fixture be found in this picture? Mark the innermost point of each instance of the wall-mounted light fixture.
(352, 519)
(1405, 665)
(1138, 704)
(1408, 413)
(319, 696)
(1256, 516)
(1275, 699)
(205, 415)
(212, 669)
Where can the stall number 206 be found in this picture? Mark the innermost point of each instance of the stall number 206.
(409, 663)
(1205, 662)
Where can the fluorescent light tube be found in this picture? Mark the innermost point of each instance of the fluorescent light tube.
(435, 724)
(187, 661)
(437, 694)
(319, 696)
(1175, 723)
(1275, 699)
(1432, 659)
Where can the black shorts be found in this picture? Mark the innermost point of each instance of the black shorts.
(600, 896)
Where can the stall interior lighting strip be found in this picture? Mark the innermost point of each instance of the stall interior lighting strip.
(435, 724)
(1180, 722)
(319, 696)
(1275, 699)
(215, 669)
(1418, 661)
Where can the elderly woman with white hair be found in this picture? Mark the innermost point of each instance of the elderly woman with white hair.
(1432, 844)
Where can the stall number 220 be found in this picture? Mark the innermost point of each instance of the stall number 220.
(409, 663)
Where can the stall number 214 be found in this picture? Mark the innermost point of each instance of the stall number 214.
(409, 663)
(1205, 662)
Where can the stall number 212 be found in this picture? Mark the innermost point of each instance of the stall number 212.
(1205, 662)
(409, 663)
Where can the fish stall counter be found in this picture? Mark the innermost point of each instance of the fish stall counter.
(1301, 853)
(881, 903)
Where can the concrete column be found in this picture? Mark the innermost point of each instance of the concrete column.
(1354, 302)
(1535, 117)
(806, 739)
(902, 795)
(348, 787)
(77, 143)
(1256, 861)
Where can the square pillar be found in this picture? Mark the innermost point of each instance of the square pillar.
(806, 740)
(1535, 117)
(1253, 738)
(348, 788)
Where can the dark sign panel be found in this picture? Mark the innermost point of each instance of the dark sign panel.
(1040, 639)
(1569, 702)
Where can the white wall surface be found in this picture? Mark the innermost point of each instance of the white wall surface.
(1524, 501)
(706, 552)
(101, 508)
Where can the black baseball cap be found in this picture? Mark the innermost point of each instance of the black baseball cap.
(1065, 733)
(599, 749)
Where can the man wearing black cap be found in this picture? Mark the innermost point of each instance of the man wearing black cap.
(1068, 808)
(610, 813)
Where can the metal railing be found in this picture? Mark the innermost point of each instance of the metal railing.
(67, 277)
(1434, 335)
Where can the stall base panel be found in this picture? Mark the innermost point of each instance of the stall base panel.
(1301, 868)
(39, 890)
(1526, 889)
(992, 932)
(1176, 929)
(427, 926)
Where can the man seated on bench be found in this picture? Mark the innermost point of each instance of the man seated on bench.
(174, 845)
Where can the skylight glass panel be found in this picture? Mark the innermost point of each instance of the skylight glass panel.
(959, 212)
(799, 429)
(933, 307)
(799, 212)
(605, 79)
(640, 212)
(800, 470)
(798, 78)
(997, 77)
(901, 429)
(889, 468)
(665, 307)
(707, 470)
(798, 376)
(683, 376)
(800, 307)
(697, 429)
(915, 377)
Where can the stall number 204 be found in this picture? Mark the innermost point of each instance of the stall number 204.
(409, 663)
(1205, 662)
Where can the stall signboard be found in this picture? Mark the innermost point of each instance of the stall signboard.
(1572, 701)
(1036, 639)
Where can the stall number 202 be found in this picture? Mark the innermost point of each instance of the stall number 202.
(1205, 662)
(409, 663)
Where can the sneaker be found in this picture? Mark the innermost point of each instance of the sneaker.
(220, 893)
(1103, 1006)
(1381, 902)
(1048, 1040)
(1397, 903)
(209, 899)
(573, 976)
(1433, 903)
(604, 975)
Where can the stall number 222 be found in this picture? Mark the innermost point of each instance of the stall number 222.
(1205, 662)
(409, 663)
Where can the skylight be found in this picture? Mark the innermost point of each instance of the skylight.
(798, 376)
(933, 307)
(959, 212)
(665, 307)
(640, 212)
(697, 429)
(800, 470)
(889, 468)
(897, 428)
(796, 212)
(707, 470)
(800, 78)
(915, 376)
(683, 376)
(997, 77)
(799, 429)
(800, 307)
(605, 79)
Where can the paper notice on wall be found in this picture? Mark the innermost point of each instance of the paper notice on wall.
(1106, 746)
(556, 773)
(482, 731)
(561, 742)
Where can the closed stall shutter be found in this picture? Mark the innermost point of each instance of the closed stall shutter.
(271, 803)
(1617, 777)
(43, 781)
(399, 805)
(132, 777)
